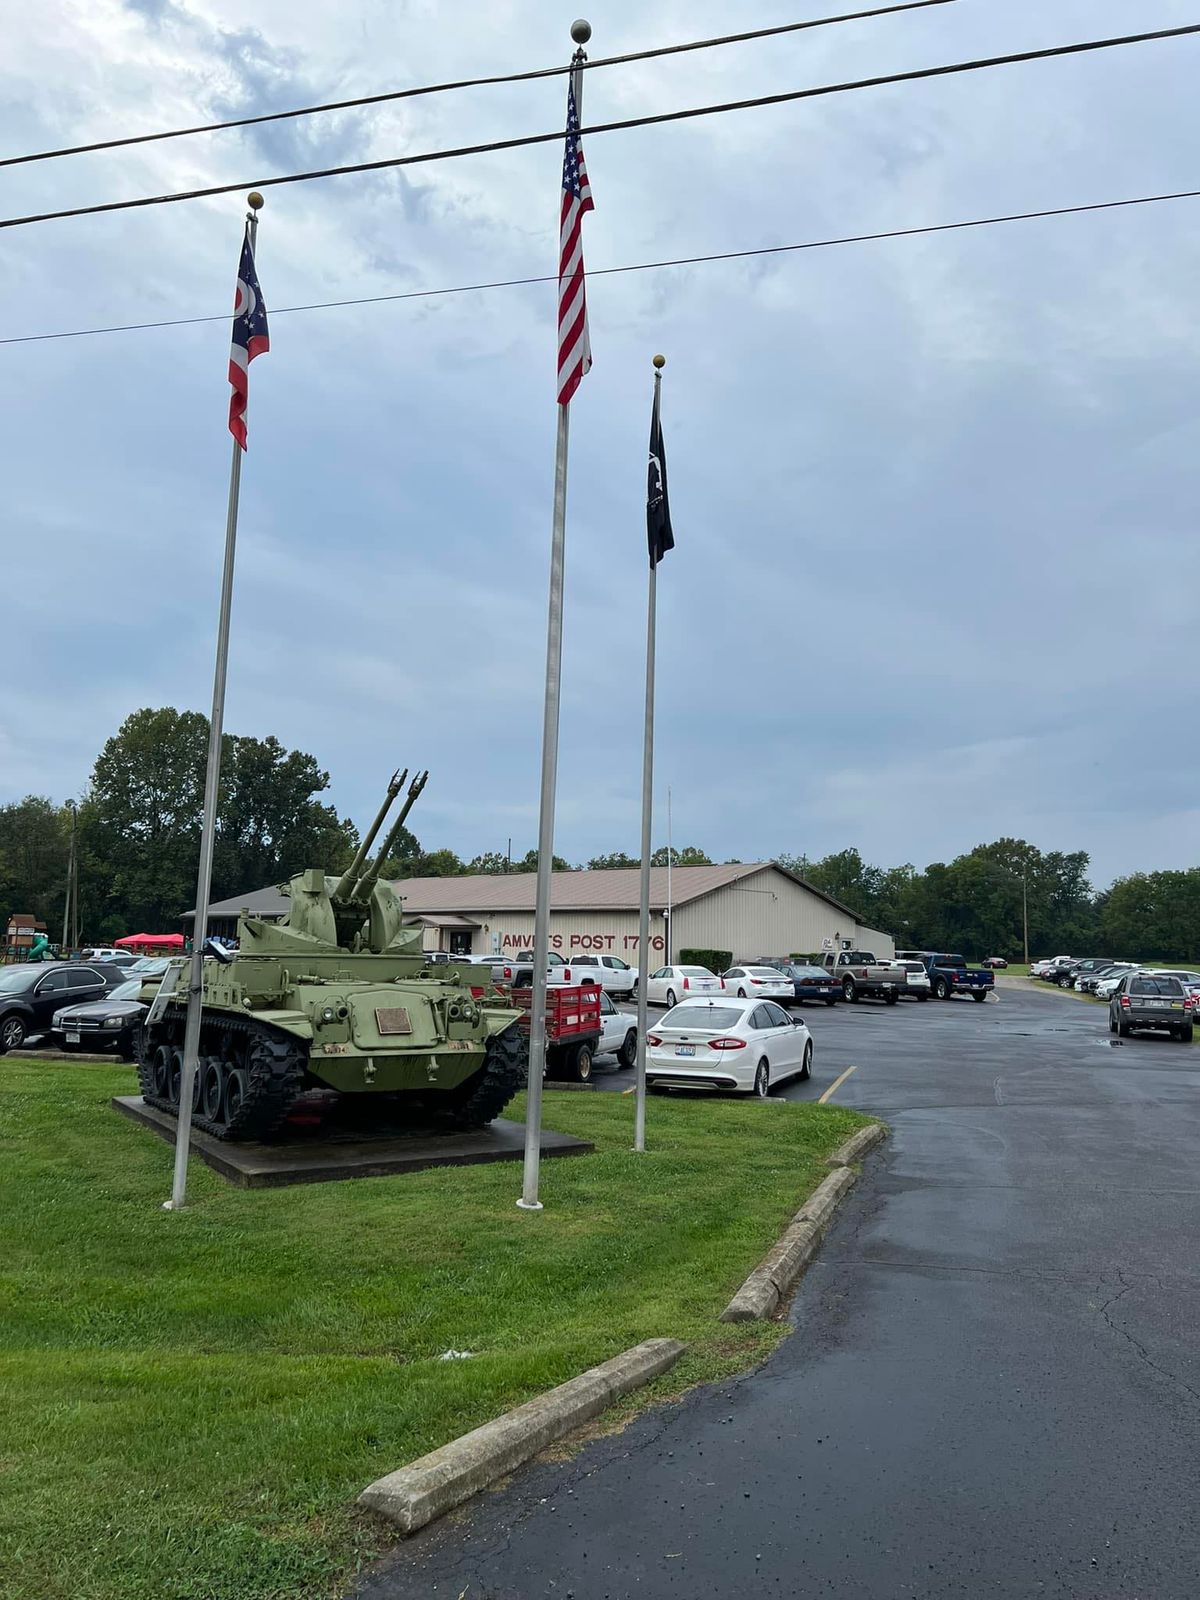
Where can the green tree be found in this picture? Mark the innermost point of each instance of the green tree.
(617, 860)
(529, 863)
(690, 856)
(34, 835)
(491, 863)
(140, 822)
(433, 864)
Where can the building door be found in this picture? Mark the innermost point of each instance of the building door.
(460, 942)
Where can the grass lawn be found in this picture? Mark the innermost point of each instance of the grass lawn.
(190, 1403)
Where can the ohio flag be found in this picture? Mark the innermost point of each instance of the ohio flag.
(250, 338)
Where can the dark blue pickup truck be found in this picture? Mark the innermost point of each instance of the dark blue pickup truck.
(950, 975)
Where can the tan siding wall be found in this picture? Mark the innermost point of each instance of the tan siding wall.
(605, 932)
(879, 944)
(766, 914)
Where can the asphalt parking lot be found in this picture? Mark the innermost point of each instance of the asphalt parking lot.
(993, 1384)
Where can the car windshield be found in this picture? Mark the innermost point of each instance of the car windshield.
(707, 1019)
(808, 972)
(1156, 986)
(912, 966)
(696, 972)
(950, 961)
(130, 990)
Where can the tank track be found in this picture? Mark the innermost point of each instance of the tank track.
(504, 1073)
(274, 1063)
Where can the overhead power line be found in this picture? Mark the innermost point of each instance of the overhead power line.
(473, 83)
(639, 266)
(525, 140)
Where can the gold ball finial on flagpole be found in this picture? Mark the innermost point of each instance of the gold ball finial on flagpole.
(660, 362)
(255, 201)
(581, 30)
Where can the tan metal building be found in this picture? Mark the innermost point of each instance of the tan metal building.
(752, 909)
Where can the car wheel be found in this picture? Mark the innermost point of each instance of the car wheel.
(923, 995)
(806, 1067)
(580, 1063)
(1112, 1023)
(891, 997)
(1187, 1033)
(671, 1001)
(762, 1080)
(741, 994)
(12, 1034)
(979, 995)
(627, 1054)
(848, 990)
(943, 989)
(1124, 1029)
(1064, 983)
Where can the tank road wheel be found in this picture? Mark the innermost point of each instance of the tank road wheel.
(259, 1073)
(234, 1091)
(212, 1088)
(482, 1098)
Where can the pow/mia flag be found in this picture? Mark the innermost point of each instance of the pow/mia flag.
(658, 507)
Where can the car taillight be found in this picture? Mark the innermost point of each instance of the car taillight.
(1125, 1001)
(686, 984)
(728, 1043)
(1189, 1003)
(653, 1038)
(566, 972)
(508, 972)
(954, 977)
(476, 992)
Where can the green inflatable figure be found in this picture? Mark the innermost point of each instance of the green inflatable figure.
(39, 948)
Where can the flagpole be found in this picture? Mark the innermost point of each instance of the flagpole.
(208, 827)
(639, 1120)
(581, 32)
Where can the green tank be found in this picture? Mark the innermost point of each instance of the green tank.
(337, 996)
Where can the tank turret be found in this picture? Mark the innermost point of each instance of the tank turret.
(337, 995)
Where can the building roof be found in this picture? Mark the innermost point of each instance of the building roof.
(611, 889)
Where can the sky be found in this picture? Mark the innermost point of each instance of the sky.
(935, 577)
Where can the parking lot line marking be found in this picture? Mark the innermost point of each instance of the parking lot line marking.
(836, 1085)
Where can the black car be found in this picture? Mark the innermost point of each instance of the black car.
(810, 983)
(103, 1024)
(31, 993)
(1142, 1000)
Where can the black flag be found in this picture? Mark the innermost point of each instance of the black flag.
(658, 506)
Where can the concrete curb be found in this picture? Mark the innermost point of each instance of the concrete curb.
(74, 1058)
(436, 1483)
(858, 1145)
(763, 1291)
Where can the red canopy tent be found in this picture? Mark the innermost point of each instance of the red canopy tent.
(150, 941)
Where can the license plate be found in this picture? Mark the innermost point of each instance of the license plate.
(1156, 1005)
(685, 1049)
(72, 1038)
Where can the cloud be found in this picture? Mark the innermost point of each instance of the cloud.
(934, 497)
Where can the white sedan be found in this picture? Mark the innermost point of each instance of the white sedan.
(669, 985)
(746, 1045)
(768, 982)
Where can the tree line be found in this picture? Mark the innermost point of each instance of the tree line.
(138, 839)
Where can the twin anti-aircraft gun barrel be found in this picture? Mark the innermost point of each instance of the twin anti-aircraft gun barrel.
(359, 879)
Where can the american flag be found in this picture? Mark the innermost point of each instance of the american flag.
(250, 338)
(574, 347)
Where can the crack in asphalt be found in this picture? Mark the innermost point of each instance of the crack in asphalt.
(1144, 1354)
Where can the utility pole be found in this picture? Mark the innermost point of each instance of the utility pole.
(1025, 906)
(70, 938)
